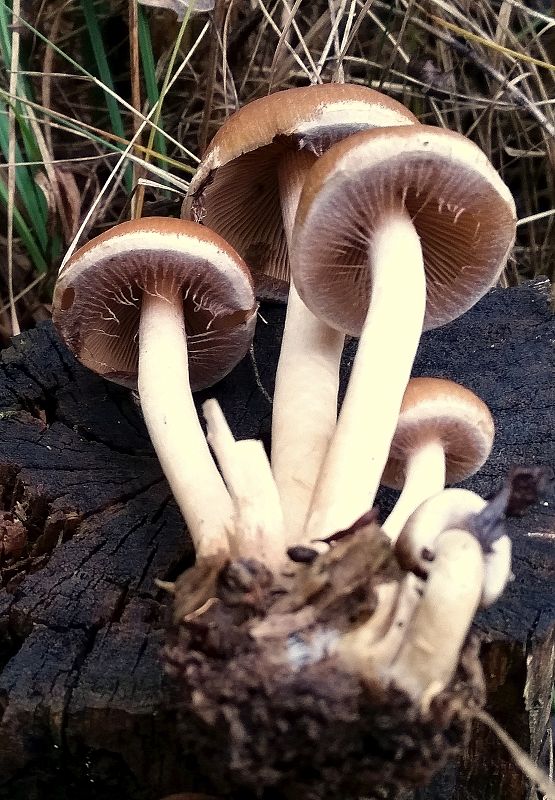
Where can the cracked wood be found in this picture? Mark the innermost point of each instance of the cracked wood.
(84, 706)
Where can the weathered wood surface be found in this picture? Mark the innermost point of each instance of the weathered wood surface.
(84, 707)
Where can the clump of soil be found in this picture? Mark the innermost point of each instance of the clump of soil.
(267, 707)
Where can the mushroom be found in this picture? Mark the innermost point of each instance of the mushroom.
(444, 434)
(419, 649)
(247, 188)
(169, 306)
(416, 547)
(397, 230)
(429, 653)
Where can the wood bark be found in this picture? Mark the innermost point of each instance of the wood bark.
(87, 524)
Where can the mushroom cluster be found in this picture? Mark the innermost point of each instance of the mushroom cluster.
(302, 616)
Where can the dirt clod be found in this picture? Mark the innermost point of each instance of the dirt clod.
(265, 704)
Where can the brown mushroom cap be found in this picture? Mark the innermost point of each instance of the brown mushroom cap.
(462, 211)
(97, 299)
(436, 409)
(236, 191)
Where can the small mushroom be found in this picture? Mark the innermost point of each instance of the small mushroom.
(429, 653)
(168, 304)
(247, 188)
(418, 649)
(397, 230)
(444, 434)
(416, 546)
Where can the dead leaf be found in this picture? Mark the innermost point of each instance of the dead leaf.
(63, 201)
(70, 197)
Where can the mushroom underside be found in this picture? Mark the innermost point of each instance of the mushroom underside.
(100, 323)
(241, 201)
(460, 236)
(462, 451)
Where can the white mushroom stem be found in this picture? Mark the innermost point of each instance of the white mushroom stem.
(497, 571)
(258, 520)
(429, 655)
(386, 649)
(307, 379)
(223, 444)
(359, 448)
(452, 508)
(424, 477)
(370, 648)
(173, 424)
(260, 528)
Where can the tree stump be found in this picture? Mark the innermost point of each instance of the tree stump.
(87, 523)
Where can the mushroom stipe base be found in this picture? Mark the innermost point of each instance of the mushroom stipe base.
(265, 707)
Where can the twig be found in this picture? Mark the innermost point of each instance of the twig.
(127, 152)
(217, 22)
(11, 163)
(468, 52)
(520, 758)
(135, 90)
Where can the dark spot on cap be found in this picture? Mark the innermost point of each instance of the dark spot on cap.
(67, 298)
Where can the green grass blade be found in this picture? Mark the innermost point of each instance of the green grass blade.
(30, 195)
(149, 73)
(86, 132)
(82, 71)
(26, 188)
(24, 232)
(104, 73)
(23, 85)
